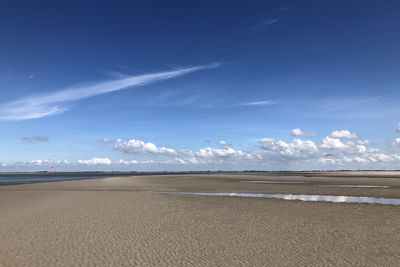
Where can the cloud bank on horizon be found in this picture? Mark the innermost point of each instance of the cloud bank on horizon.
(34, 107)
(339, 150)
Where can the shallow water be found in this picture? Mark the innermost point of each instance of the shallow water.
(355, 186)
(313, 198)
(272, 182)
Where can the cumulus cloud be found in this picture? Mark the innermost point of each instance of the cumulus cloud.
(343, 152)
(185, 156)
(107, 161)
(298, 132)
(134, 146)
(396, 142)
(39, 106)
(224, 152)
(36, 163)
(35, 138)
(40, 162)
(333, 143)
(133, 162)
(223, 143)
(96, 161)
(343, 134)
(281, 150)
(340, 149)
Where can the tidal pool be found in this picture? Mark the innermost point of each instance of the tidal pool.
(313, 198)
(355, 186)
(272, 182)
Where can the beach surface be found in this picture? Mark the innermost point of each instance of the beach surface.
(140, 221)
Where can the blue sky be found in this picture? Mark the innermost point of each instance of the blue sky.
(198, 85)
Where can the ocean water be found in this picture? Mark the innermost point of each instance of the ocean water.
(14, 179)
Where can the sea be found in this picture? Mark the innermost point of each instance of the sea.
(30, 178)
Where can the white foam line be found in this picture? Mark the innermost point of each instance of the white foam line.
(355, 186)
(272, 182)
(313, 198)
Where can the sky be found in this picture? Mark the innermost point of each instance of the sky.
(199, 85)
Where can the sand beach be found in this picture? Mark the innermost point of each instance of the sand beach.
(140, 221)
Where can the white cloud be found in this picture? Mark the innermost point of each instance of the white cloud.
(36, 163)
(96, 161)
(332, 151)
(362, 142)
(224, 152)
(298, 132)
(223, 143)
(40, 162)
(281, 150)
(186, 156)
(107, 161)
(193, 160)
(33, 107)
(134, 146)
(134, 162)
(333, 143)
(343, 134)
(175, 161)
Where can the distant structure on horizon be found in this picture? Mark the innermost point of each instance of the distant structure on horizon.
(51, 170)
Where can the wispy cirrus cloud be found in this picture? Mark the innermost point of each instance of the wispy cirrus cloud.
(264, 23)
(283, 9)
(354, 103)
(258, 103)
(40, 106)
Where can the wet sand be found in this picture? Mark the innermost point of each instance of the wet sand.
(127, 221)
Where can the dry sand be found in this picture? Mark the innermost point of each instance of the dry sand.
(118, 222)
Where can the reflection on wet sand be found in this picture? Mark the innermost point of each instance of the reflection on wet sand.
(313, 198)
